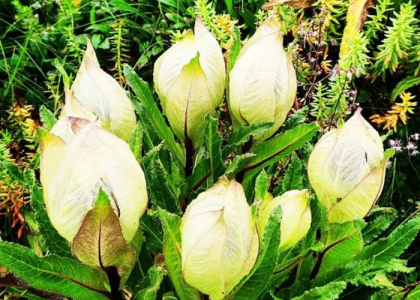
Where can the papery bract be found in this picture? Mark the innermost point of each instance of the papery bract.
(72, 174)
(347, 169)
(219, 239)
(101, 94)
(190, 80)
(296, 217)
(263, 82)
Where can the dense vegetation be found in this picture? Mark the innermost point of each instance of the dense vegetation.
(347, 54)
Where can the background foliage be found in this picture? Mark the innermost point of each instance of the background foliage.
(339, 67)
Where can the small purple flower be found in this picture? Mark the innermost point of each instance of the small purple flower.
(415, 136)
(411, 146)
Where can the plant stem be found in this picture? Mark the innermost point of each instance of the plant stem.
(189, 149)
(114, 283)
(246, 147)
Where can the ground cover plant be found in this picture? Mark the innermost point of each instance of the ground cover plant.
(209, 149)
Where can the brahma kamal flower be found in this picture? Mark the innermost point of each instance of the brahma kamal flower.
(190, 80)
(94, 191)
(219, 239)
(296, 217)
(347, 169)
(101, 94)
(263, 80)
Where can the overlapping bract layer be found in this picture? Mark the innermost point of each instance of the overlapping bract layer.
(347, 169)
(219, 239)
(98, 92)
(263, 82)
(190, 80)
(80, 161)
(296, 217)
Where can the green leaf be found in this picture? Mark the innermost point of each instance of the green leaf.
(377, 226)
(330, 291)
(342, 241)
(159, 191)
(47, 117)
(261, 185)
(13, 171)
(288, 261)
(281, 145)
(151, 156)
(29, 178)
(155, 275)
(236, 46)
(414, 294)
(293, 178)
(136, 141)
(22, 294)
(256, 282)
(229, 4)
(201, 172)
(248, 17)
(350, 272)
(172, 252)
(405, 84)
(297, 118)
(53, 273)
(213, 142)
(55, 243)
(237, 162)
(143, 93)
(241, 134)
(153, 232)
(394, 245)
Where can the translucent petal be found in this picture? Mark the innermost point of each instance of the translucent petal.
(263, 81)
(93, 159)
(340, 163)
(296, 217)
(211, 61)
(102, 95)
(219, 239)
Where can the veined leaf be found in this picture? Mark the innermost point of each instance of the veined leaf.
(155, 275)
(13, 171)
(297, 118)
(394, 245)
(350, 272)
(153, 233)
(23, 293)
(234, 50)
(377, 226)
(293, 178)
(56, 244)
(143, 93)
(160, 193)
(414, 294)
(47, 117)
(213, 142)
(261, 185)
(237, 162)
(278, 147)
(342, 241)
(201, 172)
(256, 282)
(290, 261)
(151, 156)
(243, 133)
(172, 251)
(330, 291)
(136, 141)
(405, 84)
(53, 273)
